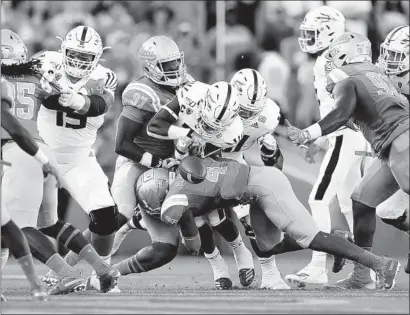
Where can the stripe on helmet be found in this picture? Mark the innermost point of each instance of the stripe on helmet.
(83, 35)
(255, 90)
(228, 98)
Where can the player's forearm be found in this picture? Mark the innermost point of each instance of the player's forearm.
(161, 126)
(96, 105)
(130, 150)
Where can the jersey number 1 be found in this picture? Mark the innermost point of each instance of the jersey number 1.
(62, 120)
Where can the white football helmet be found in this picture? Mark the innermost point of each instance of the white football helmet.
(82, 49)
(252, 90)
(162, 61)
(346, 49)
(218, 109)
(13, 50)
(320, 28)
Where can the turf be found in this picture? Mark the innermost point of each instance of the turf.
(186, 286)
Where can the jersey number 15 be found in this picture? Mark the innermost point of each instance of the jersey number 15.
(75, 121)
(22, 94)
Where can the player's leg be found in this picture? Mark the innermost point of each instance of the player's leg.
(123, 192)
(266, 237)
(163, 249)
(395, 211)
(218, 264)
(15, 240)
(228, 230)
(276, 198)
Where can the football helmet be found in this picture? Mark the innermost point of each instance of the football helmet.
(82, 49)
(348, 48)
(252, 91)
(13, 50)
(162, 61)
(218, 109)
(151, 189)
(320, 28)
(394, 51)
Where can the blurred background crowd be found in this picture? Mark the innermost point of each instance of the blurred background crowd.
(258, 34)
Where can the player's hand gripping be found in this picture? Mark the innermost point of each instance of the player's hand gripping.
(296, 135)
(50, 168)
(69, 98)
(169, 163)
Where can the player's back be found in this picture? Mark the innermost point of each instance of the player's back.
(382, 113)
(27, 93)
(147, 97)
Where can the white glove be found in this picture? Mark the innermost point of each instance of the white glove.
(169, 163)
(269, 142)
(69, 98)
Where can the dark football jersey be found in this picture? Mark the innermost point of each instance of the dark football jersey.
(381, 112)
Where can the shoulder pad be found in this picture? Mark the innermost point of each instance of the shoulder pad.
(50, 60)
(335, 76)
(109, 77)
(141, 96)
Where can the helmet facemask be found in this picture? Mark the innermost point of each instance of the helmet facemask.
(393, 61)
(79, 64)
(308, 40)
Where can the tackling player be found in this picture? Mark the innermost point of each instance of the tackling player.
(24, 195)
(260, 116)
(363, 92)
(273, 208)
(68, 122)
(341, 167)
(11, 235)
(191, 116)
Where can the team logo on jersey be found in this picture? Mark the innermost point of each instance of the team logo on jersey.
(189, 111)
(58, 76)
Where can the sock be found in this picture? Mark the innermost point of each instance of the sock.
(120, 235)
(268, 266)
(60, 267)
(129, 265)
(236, 243)
(89, 254)
(27, 265)
(72, 258)
(321, 215)
(318, 260)
(4, 257)
(361, 271)
(102, 243)
(214, 253)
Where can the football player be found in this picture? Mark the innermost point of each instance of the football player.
(363, 92)
(191, 116)
(394, 60)
(260, 116)
(68, 122)
(165, 238)
(11, 235)
(23, 196)
(341, 166)
(273, 208)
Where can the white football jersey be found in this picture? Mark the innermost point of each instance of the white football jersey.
(189, 97)
(72, 131)
(325, 99)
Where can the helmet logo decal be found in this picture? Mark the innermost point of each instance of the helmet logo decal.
(147, 54)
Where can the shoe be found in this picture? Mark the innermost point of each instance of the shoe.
(39, 295)
(3, 298)
(223, 284)
(220, 272)
(50, 279)
(244, 262)
(387, 275)
(352, 282)
(109, 280)
(308, 275)
(339, 262)
(93, 283)
(68, 285)
(274, 283)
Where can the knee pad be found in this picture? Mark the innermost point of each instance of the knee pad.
(104, 221)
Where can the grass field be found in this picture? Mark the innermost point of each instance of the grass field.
(186, 286)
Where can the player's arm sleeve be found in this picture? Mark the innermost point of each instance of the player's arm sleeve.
(18, 133)
(100, 97)
(162, 125)
(344, 94)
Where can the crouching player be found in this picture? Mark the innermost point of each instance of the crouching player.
(206, 117)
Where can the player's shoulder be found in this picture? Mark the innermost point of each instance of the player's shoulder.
(140, 94)
(103, 73)
(50, 59)
(270, 115)
(192, 92)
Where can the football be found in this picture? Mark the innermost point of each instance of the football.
(192, 169)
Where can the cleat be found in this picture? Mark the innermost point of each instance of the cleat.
(40, 295)
(68, 285)
(407, 268)
(352, 282)
(109, 281)
(50, 279)
(274, 284)
(246, 277)
(308, 275)
(339, 262)
(93, 283)
(223, 284)
(387, 276)
(3, 298)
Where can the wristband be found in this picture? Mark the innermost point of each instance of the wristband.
(175, 132)
(41, 157)
(146, 159)
(314, 131)
(78, 102)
